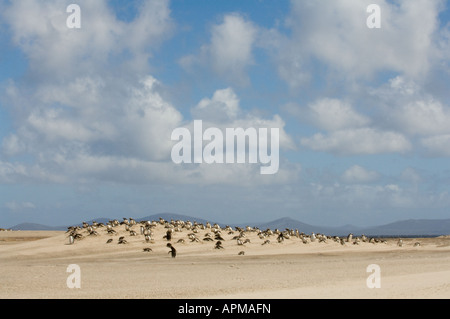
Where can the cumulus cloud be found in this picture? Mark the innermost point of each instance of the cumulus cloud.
(15, 206)
(84, 123)
(223, 110)
(229, 52)
(438, 145)
(333, 114)
(358, 174)
(336, 35)
(224, 105)
(358, 141)
(348, 131)
(58, 52)
(406, 107)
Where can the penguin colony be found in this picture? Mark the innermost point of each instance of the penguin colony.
(180, 233)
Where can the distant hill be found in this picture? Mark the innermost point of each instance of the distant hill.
(32, 226)
(169, 216)
(290, 223)
(287, 222)
(410, 227)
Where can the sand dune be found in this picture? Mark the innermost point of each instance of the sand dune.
(34, 265)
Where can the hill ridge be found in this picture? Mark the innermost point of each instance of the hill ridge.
(412, 227)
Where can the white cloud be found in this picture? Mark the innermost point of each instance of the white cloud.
(229, 52)
(358, 174)
(406, 107)
(336, 34)
(438, 145)
(223, 106)
(15, 206)
(423, 118)
(58, 52)
(358, 141)
(334, 114)
(223, 111)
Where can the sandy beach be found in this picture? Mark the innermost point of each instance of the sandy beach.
(33, 264)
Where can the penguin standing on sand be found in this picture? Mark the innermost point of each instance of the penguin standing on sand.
(173, 251)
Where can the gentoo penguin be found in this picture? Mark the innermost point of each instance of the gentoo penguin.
(266, 242)
(241, 253)
(280, 237)
(147, 249)
(349, 237)
(71, 240)
(400, 243)
(173, 251)
(218, 245)
(109, 241)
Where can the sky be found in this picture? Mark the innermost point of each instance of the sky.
(87, 114)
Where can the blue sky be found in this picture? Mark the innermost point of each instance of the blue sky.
(86, 114)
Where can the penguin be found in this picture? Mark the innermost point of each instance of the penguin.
(218, 237)
(218, 245)
(172, 251)
(168, 235)
(280, 237)
(349, 237)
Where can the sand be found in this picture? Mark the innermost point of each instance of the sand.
(34, 265)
